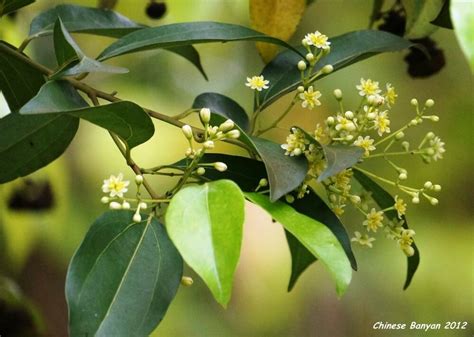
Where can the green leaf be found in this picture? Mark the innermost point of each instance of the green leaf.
(79, 19)
(419, 15)
(8, 6)
(224, 106)
(301, 259)
(444, 18)
(183, 34)
(122, 278)
(71, 60)
(338, 158)
(462, 16)
(126, 119)
(314, 207)
(205, 224)
(27, 143)
(385, 200)
(285, 173)
(376, 11)
(18, 80)
(346, 49)
(315, 236)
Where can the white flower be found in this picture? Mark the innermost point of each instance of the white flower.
(363, 240)
(366, 143)
(115, 186)
(382, 123)
(344, 124)
(317, 39)
(309, 98)
(368, 87)
(438, 148)
(295, 143)
(257, 83)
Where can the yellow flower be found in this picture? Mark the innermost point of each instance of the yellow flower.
(374, 220)
(115, 185)
(366, 143)
(368, 87)
(390, 95)
(400, 206)
(320, 134)
(257, 83)
(438, 148)
(295, 143)
(317, 39)
(405, 241)
(310, 98)
(338, 210)
(382, 123)
(344, 124)
(363, 240)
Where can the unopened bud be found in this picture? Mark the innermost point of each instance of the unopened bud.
(415, 200)
(430, 135)
(139, 179)
(205, 115)
(186, 281)
(289, 198)
(142, 205)
(355, 199)
(414, 102)
(310, 57)
(371, 115)
(399, 135)
(429, 103)
(297, 152)
(200, 171)
(187, 131)
(263, 182)
(115, 205)
(436, 188)
(402, 176)
(233, 134)
(338, 94)
(301, 65)
(220, 166)
(137, 217)
(434, 201)
(327, 69)
(406, 145)
(226, 126)
(300, 88)
(428, 185)
(413, 122)
(125, 205)
(105, 200)
(208, 144)
(434, 118)
(349, 114)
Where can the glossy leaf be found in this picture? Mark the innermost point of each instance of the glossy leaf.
(315, 236)
(183, 34)
(338, 158)
(18, 80)
(444, 17)
(314, 207)
(285, 173)
(377, 6)
(419, 15)
(71, 60)
(126, 119)
(8, 6)
(346, 49)
(462, 16)
(122, 278)
(27, 143)
(81, 19)
(205, 224)
(301, 259)
(277, 18)
(224, 106)
(385, 200)
(96, 21)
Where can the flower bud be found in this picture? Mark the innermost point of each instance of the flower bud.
(226, 126)
(430, 135)
(434, 201)
(434, 118)
(297, 152)
(338, 94)
(189, 153)
(333, 197)
(429, 103)
(350, 126)
(310, 57)
(200, 171)
(187, 131)
(138, 179)
(137, 217)
(300, 88)
(105, 200)
(205, 115)
(349, 114)
(125, 205)
(220, 166)
(349, 137)
(406, 145)
(428, 185)
(355, 199)
(399, 135)
(371, 100)
(208, 144)
(263, 182)
(289, 198)
(330, 120)
(403, 176)
(413, 122)
(142, 205)
(186, 281)
(414, 102)
(408, 250)
(415, 200)
(115, 205)
(371, 115)
(436, 188)
(301, 65)
(233, 134)
(327, 69)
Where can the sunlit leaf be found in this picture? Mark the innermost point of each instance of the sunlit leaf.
(126, 119)
(315, 236)
(385, 200)
(462, 16)
(277, 18)
(122, 278)
(205, 224)
(444, 17)
(338, 158)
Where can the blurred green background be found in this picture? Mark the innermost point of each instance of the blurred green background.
(36, 247)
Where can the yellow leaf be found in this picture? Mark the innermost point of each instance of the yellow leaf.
(277, 18)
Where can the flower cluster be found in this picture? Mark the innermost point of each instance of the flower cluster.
(368, 127)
